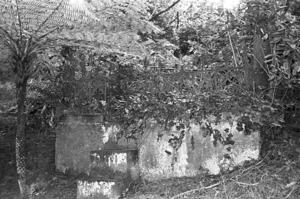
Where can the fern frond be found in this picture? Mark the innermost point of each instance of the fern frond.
(110, 25)
(33, 13)
(124, 43)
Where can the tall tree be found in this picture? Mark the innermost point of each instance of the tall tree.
(28, 27)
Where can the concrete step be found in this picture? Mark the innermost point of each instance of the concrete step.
(108, 189)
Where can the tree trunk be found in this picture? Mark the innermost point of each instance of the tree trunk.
(20, 139)
(256, 77)
(260, 76)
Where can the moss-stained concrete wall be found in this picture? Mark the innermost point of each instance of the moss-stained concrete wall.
(211, 145)
(76, 137)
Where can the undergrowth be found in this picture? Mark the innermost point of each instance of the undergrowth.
(276, 176)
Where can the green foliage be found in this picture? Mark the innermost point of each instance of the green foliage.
(207, 44)
(277, 24)
(130, 92)
(109, 27)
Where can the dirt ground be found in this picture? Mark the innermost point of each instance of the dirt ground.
(275, 176)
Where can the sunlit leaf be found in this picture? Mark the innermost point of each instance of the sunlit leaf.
(296, 68)
(276, 40)
(276, 124)
(272, 77)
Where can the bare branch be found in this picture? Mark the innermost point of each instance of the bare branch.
(19, 20)
(163, 11)
(49, 16)
(8, 39)
(49, 32)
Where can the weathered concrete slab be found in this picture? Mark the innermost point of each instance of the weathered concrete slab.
(98, 190)
(75, 138)
(216, 144)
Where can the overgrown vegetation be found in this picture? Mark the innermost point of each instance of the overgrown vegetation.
(134, 61)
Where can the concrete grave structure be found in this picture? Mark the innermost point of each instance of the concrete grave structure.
(218, 143)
